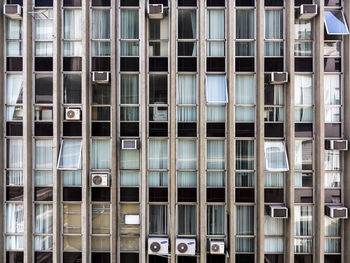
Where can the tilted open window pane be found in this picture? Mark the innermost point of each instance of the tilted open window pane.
(70, 155)
(275, 156)
(335, 23)
(216, 90)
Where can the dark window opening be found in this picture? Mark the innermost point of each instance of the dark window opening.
(245, 64)
(274, 2)
(245, 195)
(244, 258)
(71, 128)
(71, 193)
(274, 65)
(43, 129)
(303, 196)
(129, 257)
(14, 63)
(107, 2)
(158, 89)
(129, 194)
(333, 130)
(14, 257)
(332, 64)
(245, 129)
(129, 64)
(332, 258)
(100, 194)
(72, 64)
(216, 64)
(187, 129)
(43, 89)
(187, 64)
(100, 129)
(216, 129)
(164, 2)
(215, 2)
(158, 194)
(129, 129)
(43, 257)
(14, 193)
(332, 196)
(129, 3)
(158, 64)
(158, 129)
(43, 64)
(14, 129)
(157, 259)
(303, 65)
(101, 63)
(273, 195)
(274, 129)
(186, 49)
(303, 130)
(43, 194)
(245, 2)
(187, 194)
(303, 259)
(216, 195)
(273, 258)
(72, 257)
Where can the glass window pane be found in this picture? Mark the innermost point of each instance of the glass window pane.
(187, 24)
(332, 180)
(100, 219)
(244, 155)
(303, 155)
(303, 29)
(100, 25)
(14, 178)
(71, 178)
(215, 24)
(215, 219)
(332, 49)
(216, 92)
(72, 89)
(216, 179)
(244, 220)
(129, 113)
(216, 49)
(187, 154)
(273, 49)
(14, 29)
(129, 178)
(215, 154)
(303, 90)
(187, 219)
(245, 89)
(332, 89)
(186, 179)
(101, 94)
(245, 245)
(244, 180)
(43, 219)
(129, 48)
(72, 24)
(303, 220)
(101, 48)
(158, 219)
(245, 48)
(186, 89)
(245, 114)
(14, 86)
(303, 49)
(71, 48)
(72, 218)
(273, 24)
(158, 154)
(275, 156)
(332, 227)
(100, 154)
(157, 179)
(216, 114)
(335, 22)
(43, 154)
(13, 49)
(129, 159)
(43, 178)
(44, 27)
(245, 24)
(303, 180)
(129, 24)
(14, 153)
(273, 179)
(14, 218)
(70, 155)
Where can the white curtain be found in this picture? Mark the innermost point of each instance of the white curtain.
(187, 154)
(101, 154)
(244, 220)
(129, 159)
(14, 86)
(303, 220)
(129, 20)
(14, 29)
(332, 160)
(245, 24)
(102, 48)
(275, 156)
(273, 226)
(129, 178)
(215, 48)
(14, 243)
(332, 227)
(273, 24)
(44, 49)
(274, 95)
(273, 245)
(14, 218)
(332, 245)
(332, 180)
(245, 49)
(43, 154)
(216, 179)
(215, 154)
(245, 93)
(216, 24)
(245, 114)
(44, 27)
(273, 49)
(332, 114)
(303, 90)
(244, 180)
(72, 49)
(43, 219)
(215, 220)
(71, 178)
(129, 89)
(303, 49)
(43, 178)
(244, 155)
(274, 179)
(129, 113)
(216, 114)
(303, 245)
(303, 29)
(157, 179)
(187, 219)
(186, 179)
(216, 92)
(100, 26)
(43, 242)
(13, 49)
(72, 24)
(70, 154)
(245, 244)
(186, 89)
(187, 114)
(303, 114)
(158, 154)
(14, 153)
(14, 178)
(332, 89)
(158, 219)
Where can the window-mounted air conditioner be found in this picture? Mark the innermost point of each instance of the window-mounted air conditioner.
(185, 246)
(155, 11)
(13, 11)
(100, 77)
(336, 211)
(130, 144)
(158, 246)
(99, 179)
(307, 11)
(72, 114)
(277, 211)
(217, 246)
(340, 145)
(276, 78)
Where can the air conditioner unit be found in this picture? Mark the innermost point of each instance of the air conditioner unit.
(336, 211)
(185, 246)
(13, 11)
(72, 114)
(307, 11)
(130, 144)
(277, 211)
(100, 77)
(276, 78)
(217, 246)
(99, 179)
(155, 11)
(158, 246)
(340, 145)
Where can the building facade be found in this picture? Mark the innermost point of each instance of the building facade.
(158, 131)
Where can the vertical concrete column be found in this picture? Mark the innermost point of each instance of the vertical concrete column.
(318, 215)
(230, 122)
(27, 130)
(143, 134)
(289, 133)
(2, 129)
(346, 120)
(85, 84)
(56, 82)
(201, 132)
(259, 128)
(114, 132)
(172, 152)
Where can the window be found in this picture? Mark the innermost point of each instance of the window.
(303, 155)
(100, 154)
(244, 229)
(158, 154)
(71, 89)
(332, 242)
(187, 154)
(273, 230)
(245, 25)
(302, 229)
(215, 220)
(274, 31)
(70, 155)
(335, 22)
(158, 219)
(244, 155)
(216, 33)
(216, 90)
(245, 98)
(43, 225)
(215, 154)
(14, 153)
(187, 220)
(275, 156)
(72, 31)
(303, 36)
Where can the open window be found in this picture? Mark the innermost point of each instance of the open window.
(335, 23)
(70, 155)
(216, 90)
(275, 156)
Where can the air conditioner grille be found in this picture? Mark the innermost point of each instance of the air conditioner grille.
(215, 247)
(182, 247)
(155, 9)
(97, 180)
(155, 246)
(70, 113)
(11, 9)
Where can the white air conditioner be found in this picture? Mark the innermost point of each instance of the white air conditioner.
(307, 11)
(13, 11)
(217, 247)
(158, 246)
(130, 144)
(276, 78)
(155, 11)
(72, 114)
(99, 179)
(277, 211)
(185, 246)
(340, 145)
(100, 77)
(336, 211)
